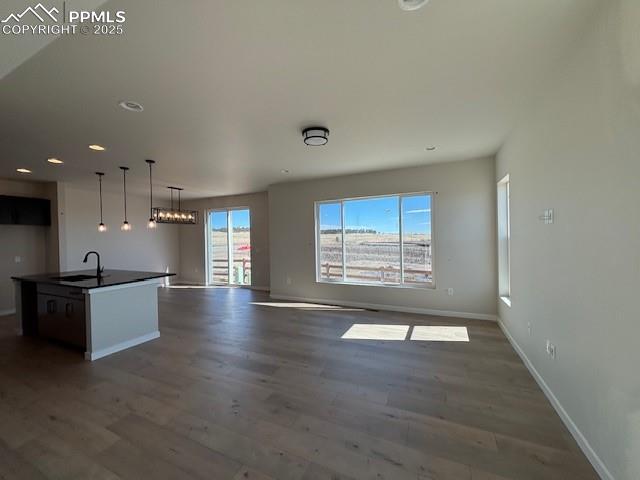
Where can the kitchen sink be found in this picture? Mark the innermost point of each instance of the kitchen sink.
(74, 278)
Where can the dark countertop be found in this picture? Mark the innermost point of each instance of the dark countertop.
(109, 278)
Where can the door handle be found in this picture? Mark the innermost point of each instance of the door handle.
(51, 306)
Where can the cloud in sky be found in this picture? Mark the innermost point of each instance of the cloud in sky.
(421, 210)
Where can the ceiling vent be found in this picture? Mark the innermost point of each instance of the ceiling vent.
(131, 106)
(410, 5)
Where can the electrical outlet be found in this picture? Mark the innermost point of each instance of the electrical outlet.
(551, 349)
(547, 216)
(450, 291)
(17, 259)
(288, 280)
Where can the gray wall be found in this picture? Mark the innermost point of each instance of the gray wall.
(139, 249)
(464, 237)
(192, 238)
(577, 281)
(36, 246)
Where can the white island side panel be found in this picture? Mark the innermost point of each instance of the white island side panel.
(121, 317)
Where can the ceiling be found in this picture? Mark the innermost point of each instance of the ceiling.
(14, 50)
(227, 86)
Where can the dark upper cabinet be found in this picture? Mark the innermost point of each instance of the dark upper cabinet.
(24, 211)
(6, 210)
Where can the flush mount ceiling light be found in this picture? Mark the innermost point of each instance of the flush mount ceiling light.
(101, 226)
(315, 136)
(97, 148)
(131, 106)
(430, 148)
(410, 5)
(55, 161)
(285, 171)
(173, 215)
(23, 170)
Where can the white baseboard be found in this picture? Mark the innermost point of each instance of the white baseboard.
(9, 311)
(258, 288)
(198, 284)
(121, 346)
(584, 445)
(389, 308)
(179, 281)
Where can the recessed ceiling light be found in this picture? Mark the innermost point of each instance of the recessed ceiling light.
(23, 170)
(410, 5)
(315, 136)
(430, 148)
(97, 148)
(55, 161)
(285, 171)
(131, 106)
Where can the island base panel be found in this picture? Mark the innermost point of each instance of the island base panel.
(121, 318)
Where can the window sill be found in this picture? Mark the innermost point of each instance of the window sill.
(425, 286)
(506, 300)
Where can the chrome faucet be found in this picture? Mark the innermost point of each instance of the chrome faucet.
(99, 269)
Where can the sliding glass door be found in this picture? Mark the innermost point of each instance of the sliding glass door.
(229, 247)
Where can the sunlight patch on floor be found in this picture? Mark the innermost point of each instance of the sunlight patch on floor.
(420, 333)
(434, 333)
(195, 287)
(366, 331)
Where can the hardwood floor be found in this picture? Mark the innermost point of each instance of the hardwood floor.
(237, 390)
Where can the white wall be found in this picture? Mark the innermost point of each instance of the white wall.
(37, 246)
(577, 281)
(192, 237)
(139, 249)
(464, 237)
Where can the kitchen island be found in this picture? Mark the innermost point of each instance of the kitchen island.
(99, 314)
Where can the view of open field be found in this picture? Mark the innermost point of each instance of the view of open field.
(219, 257)
(374, 231)
(375, 257)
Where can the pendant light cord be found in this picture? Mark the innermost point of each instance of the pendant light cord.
(150, 193)
(124, 182)
(100, 187)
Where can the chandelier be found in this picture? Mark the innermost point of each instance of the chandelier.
(175, 215)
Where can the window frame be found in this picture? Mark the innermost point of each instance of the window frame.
(426, 285)
(207, 230)
(504, 215)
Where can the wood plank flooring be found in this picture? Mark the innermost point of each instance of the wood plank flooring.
(242, 387)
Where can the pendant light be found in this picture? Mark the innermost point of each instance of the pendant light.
(101, 226)
(126, 226)
(152, 222)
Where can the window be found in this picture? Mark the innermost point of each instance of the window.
(229, 247)
(504, 239)
(382, 240)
